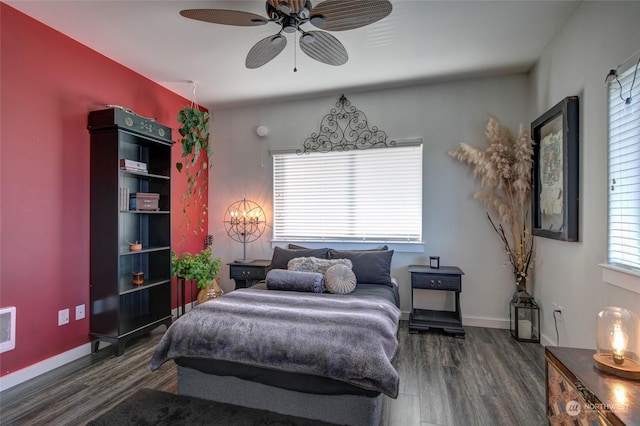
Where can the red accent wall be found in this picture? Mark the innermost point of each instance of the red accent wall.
(49, 83)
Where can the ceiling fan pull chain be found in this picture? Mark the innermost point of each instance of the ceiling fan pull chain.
(295, 52)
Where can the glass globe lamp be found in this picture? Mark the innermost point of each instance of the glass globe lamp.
(618, 342)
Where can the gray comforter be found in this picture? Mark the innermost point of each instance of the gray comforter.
(347, 338)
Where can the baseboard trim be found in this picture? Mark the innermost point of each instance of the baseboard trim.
(545, 341)
(13, 379)
(501, 323)
(475, 321)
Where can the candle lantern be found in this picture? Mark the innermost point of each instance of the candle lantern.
(524, 318)
(618, 342)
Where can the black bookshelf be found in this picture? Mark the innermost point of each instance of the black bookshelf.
(120, 307)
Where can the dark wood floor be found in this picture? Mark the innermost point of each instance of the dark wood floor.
(485, 379)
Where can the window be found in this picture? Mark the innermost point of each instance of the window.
(372, 195)
(624, 170)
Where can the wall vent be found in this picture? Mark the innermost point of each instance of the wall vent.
(7, 329)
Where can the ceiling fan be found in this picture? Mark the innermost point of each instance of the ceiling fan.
(290, 15)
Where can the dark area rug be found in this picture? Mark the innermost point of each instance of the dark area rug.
(151, 407)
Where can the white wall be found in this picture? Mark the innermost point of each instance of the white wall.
(443, 115)
(597, 38)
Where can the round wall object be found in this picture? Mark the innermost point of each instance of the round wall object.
(262, 131)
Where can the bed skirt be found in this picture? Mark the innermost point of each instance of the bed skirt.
(340, 409)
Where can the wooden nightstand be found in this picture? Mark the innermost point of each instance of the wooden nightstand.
(445, 278)
(578, 393)
(246, 274)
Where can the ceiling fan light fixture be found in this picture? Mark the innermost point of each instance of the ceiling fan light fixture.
(317, 20)
(277, 39)
(308, 37)
(284, 7)
(304, 12)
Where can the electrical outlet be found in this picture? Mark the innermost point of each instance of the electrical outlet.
(560, 314)
(79, 312)
(63, 317)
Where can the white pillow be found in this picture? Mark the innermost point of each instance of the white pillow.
(340, 279)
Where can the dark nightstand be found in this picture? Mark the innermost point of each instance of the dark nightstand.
(246, 274)
(445, 278)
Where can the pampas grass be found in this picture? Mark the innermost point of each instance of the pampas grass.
(504, 170)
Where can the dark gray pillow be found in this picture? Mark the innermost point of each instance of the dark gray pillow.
(279, 279)
(370, 266)
(282, 256)
(297, 247)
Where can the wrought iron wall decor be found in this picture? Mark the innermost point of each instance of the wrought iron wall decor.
(343, 129)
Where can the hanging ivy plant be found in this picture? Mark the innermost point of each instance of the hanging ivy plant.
(195, 135)
(195, 142)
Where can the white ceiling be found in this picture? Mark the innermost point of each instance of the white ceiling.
(421, 41)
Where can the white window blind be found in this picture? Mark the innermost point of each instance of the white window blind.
(624, 171)
(372, 195)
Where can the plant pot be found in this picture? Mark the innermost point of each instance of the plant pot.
(137, 278)
(212, 291)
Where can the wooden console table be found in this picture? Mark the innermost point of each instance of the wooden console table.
(579, 393)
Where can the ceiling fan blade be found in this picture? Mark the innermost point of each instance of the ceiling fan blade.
(265, 50)
(340, 15)
(324, 47)
(226, 17)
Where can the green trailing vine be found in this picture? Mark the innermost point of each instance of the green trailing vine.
(195, 135)
(201, 267)
(194, 131)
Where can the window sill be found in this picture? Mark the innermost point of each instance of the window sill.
(621, 277)
(350, 245)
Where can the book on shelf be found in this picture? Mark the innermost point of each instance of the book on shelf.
(144, 201)
(133, 166)
(124, 199)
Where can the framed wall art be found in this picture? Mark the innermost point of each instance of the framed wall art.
(556, 171)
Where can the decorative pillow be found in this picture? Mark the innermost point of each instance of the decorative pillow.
(280, 279)
(340, 279)
(370, 266)
(297, 247)
(282, 256)
(313, 264)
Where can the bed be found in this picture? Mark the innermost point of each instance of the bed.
(321, 356)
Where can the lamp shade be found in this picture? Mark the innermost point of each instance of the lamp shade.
(618, 342)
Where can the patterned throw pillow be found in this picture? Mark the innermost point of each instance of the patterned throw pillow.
(314, 264)
(340, 279)
(282, 256)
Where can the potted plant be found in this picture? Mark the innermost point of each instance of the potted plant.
(201, 267)
(194, 131)
(504, 170)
